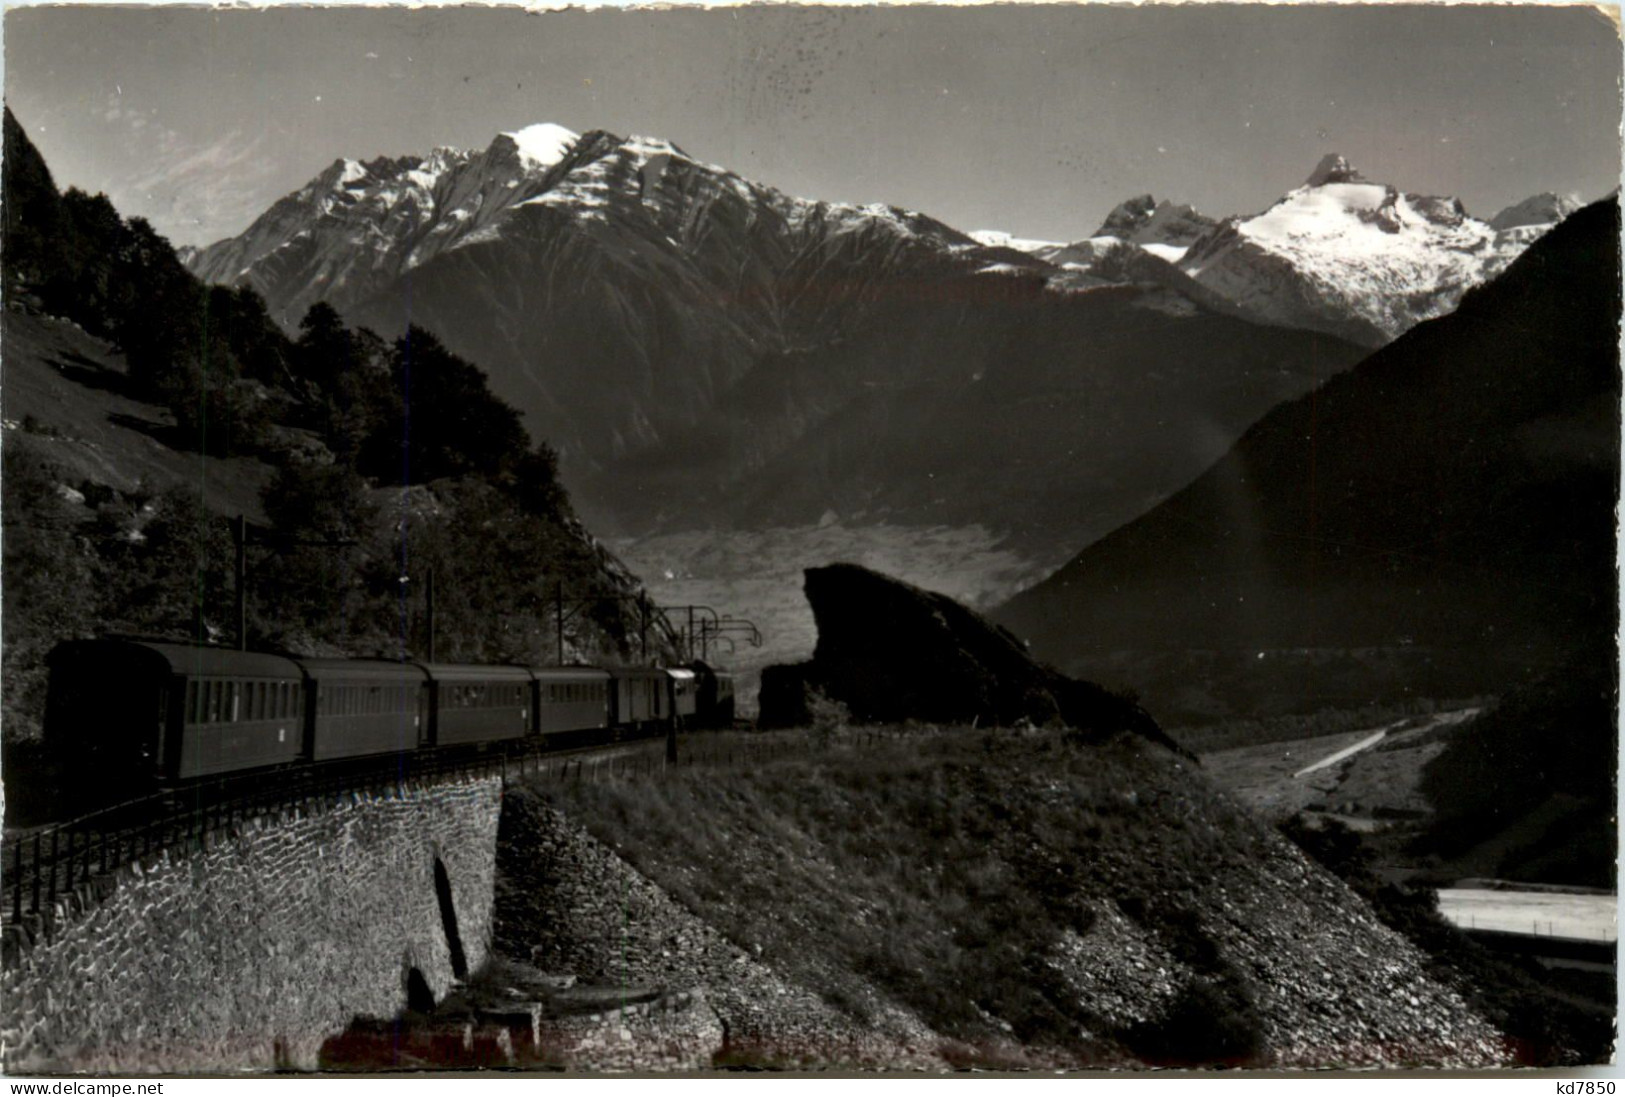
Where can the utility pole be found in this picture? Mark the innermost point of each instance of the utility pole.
(239, 541)
(691, 634)
(428, 608)
(643, 626)
(241, 538)
(558, 616)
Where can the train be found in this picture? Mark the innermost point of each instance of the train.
(153, 715)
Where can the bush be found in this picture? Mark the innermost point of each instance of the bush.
(829, 716)
(218, 414)
(50, 585)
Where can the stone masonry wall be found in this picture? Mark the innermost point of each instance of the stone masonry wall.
(246, 956)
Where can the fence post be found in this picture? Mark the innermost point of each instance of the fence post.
(38, 864)
(17, 882)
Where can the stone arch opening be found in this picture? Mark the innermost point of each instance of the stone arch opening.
(419, 995)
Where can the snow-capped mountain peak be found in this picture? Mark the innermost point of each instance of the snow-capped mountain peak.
(1541, 209)
(1145, 221)
(993, 238)
(1358, 259)
(543, 144)
(1333, 168)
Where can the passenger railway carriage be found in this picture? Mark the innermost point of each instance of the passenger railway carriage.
(365, 706)
(572, 699)
(146, 714)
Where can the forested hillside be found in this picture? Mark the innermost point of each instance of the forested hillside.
(144, 409)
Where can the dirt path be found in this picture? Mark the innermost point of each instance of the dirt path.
(1337, 756)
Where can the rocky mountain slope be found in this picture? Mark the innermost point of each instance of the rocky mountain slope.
(704, 349)
(709, 353)
(611, 285)
(1452, 496)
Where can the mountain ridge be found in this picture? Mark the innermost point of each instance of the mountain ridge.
(1453, 492)
(705, 350)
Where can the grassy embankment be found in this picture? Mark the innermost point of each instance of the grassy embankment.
(940, 872)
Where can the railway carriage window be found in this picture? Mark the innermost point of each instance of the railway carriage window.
(191, 703)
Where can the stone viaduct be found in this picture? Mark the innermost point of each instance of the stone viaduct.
(242, 953)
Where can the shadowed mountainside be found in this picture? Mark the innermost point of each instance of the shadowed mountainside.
(1454, 492)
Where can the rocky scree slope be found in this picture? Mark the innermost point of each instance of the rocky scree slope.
(977, 900)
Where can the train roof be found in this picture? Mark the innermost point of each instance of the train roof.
(194, 660)
(575, 674)
(363, 668)
(636, 672)
(476, 672)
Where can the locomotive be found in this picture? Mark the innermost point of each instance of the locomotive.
(152, 715)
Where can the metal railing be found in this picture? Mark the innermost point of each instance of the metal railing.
(77, 860)
(39, 869)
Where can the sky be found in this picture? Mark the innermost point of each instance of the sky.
(1034, 120)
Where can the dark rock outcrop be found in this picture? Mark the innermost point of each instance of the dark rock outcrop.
(890, 652)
